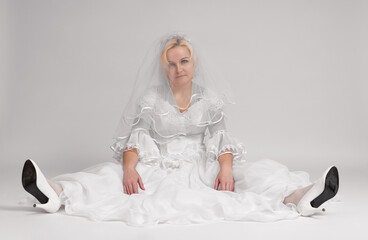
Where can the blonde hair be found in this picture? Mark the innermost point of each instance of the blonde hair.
(175, 42)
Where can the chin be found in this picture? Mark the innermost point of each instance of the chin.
(181, 82)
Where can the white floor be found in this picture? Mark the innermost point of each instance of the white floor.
(343, 219)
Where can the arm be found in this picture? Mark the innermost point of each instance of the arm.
(130, 159)
(225, 175)
(131, 176)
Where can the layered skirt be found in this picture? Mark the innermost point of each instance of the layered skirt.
(182, 193)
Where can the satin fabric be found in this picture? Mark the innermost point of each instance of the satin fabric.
(180, 189)
(178, 165)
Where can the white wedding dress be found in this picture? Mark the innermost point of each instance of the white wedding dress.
(179, 175)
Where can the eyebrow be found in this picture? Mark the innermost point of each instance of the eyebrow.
(180, 59)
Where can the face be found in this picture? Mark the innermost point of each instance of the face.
(180, 66)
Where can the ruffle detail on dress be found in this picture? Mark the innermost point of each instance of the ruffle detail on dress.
(153, 100)
(140, 140)
(152, 108)
(221, 143)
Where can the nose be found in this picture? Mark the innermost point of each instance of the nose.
(179, 68)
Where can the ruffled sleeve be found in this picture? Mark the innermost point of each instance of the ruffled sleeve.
(139, 138)
(220, 142)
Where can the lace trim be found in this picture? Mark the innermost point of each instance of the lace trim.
(219, 132)
(216, 105)
(144, 156)
(237, 150)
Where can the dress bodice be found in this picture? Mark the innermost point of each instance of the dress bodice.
(179, 144)
(163, 132)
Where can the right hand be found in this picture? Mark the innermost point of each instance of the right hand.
(130, 180)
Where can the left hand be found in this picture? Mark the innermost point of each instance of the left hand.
(226, 179)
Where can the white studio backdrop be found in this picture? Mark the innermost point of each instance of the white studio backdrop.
(297, 68)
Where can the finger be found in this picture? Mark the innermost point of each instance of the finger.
(130, 187)
(125, 191)
(228, 187)
(223, 186)
(140, 182)
(216, 184)
(135, 188)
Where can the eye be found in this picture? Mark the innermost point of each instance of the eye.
(184, 61)
(171, 64)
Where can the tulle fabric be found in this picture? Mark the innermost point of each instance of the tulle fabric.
(182, 194)
(178, 169)
(178, 155)
(153, 131)
(152, 97)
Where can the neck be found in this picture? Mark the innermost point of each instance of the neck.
(182, 95)
(182, 90)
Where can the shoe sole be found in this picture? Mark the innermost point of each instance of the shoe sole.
(29, 181)
(330, 190)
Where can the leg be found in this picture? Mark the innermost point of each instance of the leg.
(57, 187)
(297, 195)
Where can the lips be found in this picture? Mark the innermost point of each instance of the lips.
(180, 76)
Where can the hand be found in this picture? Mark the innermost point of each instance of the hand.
(130, 180)
(226, 179)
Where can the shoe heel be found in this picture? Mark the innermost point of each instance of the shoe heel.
(307, 211)
(50, 206)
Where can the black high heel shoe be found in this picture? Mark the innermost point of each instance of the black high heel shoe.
(36, 184)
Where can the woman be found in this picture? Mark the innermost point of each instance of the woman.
(179, 163)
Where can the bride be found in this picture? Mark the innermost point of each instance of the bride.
(177, 163)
